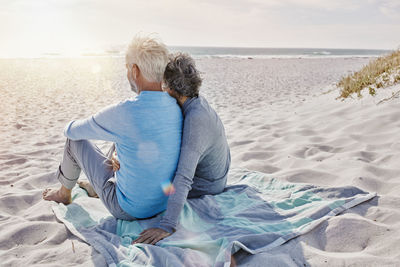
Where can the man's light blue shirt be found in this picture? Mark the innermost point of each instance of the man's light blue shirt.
(147, 135)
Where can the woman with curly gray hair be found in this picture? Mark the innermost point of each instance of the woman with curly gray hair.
(205, 156)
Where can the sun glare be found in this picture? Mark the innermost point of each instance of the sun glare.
(96, 69)
(43, 28)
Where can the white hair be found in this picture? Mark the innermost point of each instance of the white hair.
(150, 55)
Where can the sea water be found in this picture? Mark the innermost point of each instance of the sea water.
(230, 52)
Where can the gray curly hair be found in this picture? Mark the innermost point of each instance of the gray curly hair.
(181, 75)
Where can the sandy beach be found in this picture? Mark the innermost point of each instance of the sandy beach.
(281, 117)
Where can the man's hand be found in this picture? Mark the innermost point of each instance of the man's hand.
(151, 236)
(115, 162)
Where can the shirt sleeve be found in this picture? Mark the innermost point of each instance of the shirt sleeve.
(103, 125)
(194, 144)
(183, 184)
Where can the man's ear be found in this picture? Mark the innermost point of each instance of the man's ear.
(135, 71)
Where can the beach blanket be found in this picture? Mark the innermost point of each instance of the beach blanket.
(255, 213)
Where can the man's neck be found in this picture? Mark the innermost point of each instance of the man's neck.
(151, 87)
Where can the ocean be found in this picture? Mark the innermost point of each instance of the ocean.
(242, 52)
(238, 52)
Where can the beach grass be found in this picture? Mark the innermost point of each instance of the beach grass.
(379, 73)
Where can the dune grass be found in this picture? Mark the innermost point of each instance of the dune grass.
(381, 72)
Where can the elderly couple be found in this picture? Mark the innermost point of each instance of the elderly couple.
(167, 134)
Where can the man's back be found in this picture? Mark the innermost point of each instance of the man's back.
(147, 134)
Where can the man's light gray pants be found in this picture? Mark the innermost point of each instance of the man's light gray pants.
(86, 156)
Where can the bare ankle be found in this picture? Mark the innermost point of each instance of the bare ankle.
(65, 192)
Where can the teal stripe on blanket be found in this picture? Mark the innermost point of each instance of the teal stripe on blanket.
(255, 213)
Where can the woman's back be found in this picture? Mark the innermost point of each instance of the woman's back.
(207, 136)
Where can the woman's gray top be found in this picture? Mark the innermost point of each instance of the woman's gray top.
(204, 159)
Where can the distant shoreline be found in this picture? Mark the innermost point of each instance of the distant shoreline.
(233, 57)
(227, 52)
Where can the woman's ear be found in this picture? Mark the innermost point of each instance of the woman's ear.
(170, 92)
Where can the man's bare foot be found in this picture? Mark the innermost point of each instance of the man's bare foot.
(62, 195)
(88, 187)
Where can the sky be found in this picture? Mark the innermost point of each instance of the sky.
(51, 26)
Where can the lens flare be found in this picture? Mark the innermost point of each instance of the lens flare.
(168, 188)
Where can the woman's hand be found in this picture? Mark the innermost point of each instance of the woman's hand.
(151, 236)
(115, 162)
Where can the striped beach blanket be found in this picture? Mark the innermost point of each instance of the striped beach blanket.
(255, 213)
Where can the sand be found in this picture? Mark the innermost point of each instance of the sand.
(281, 118)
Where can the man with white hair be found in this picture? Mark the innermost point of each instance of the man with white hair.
(146, 132)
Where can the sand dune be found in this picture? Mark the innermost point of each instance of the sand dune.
(281, 118)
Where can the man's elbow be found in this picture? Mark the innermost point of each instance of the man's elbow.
(67, 131)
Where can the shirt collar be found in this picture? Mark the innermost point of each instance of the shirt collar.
(151, 94)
